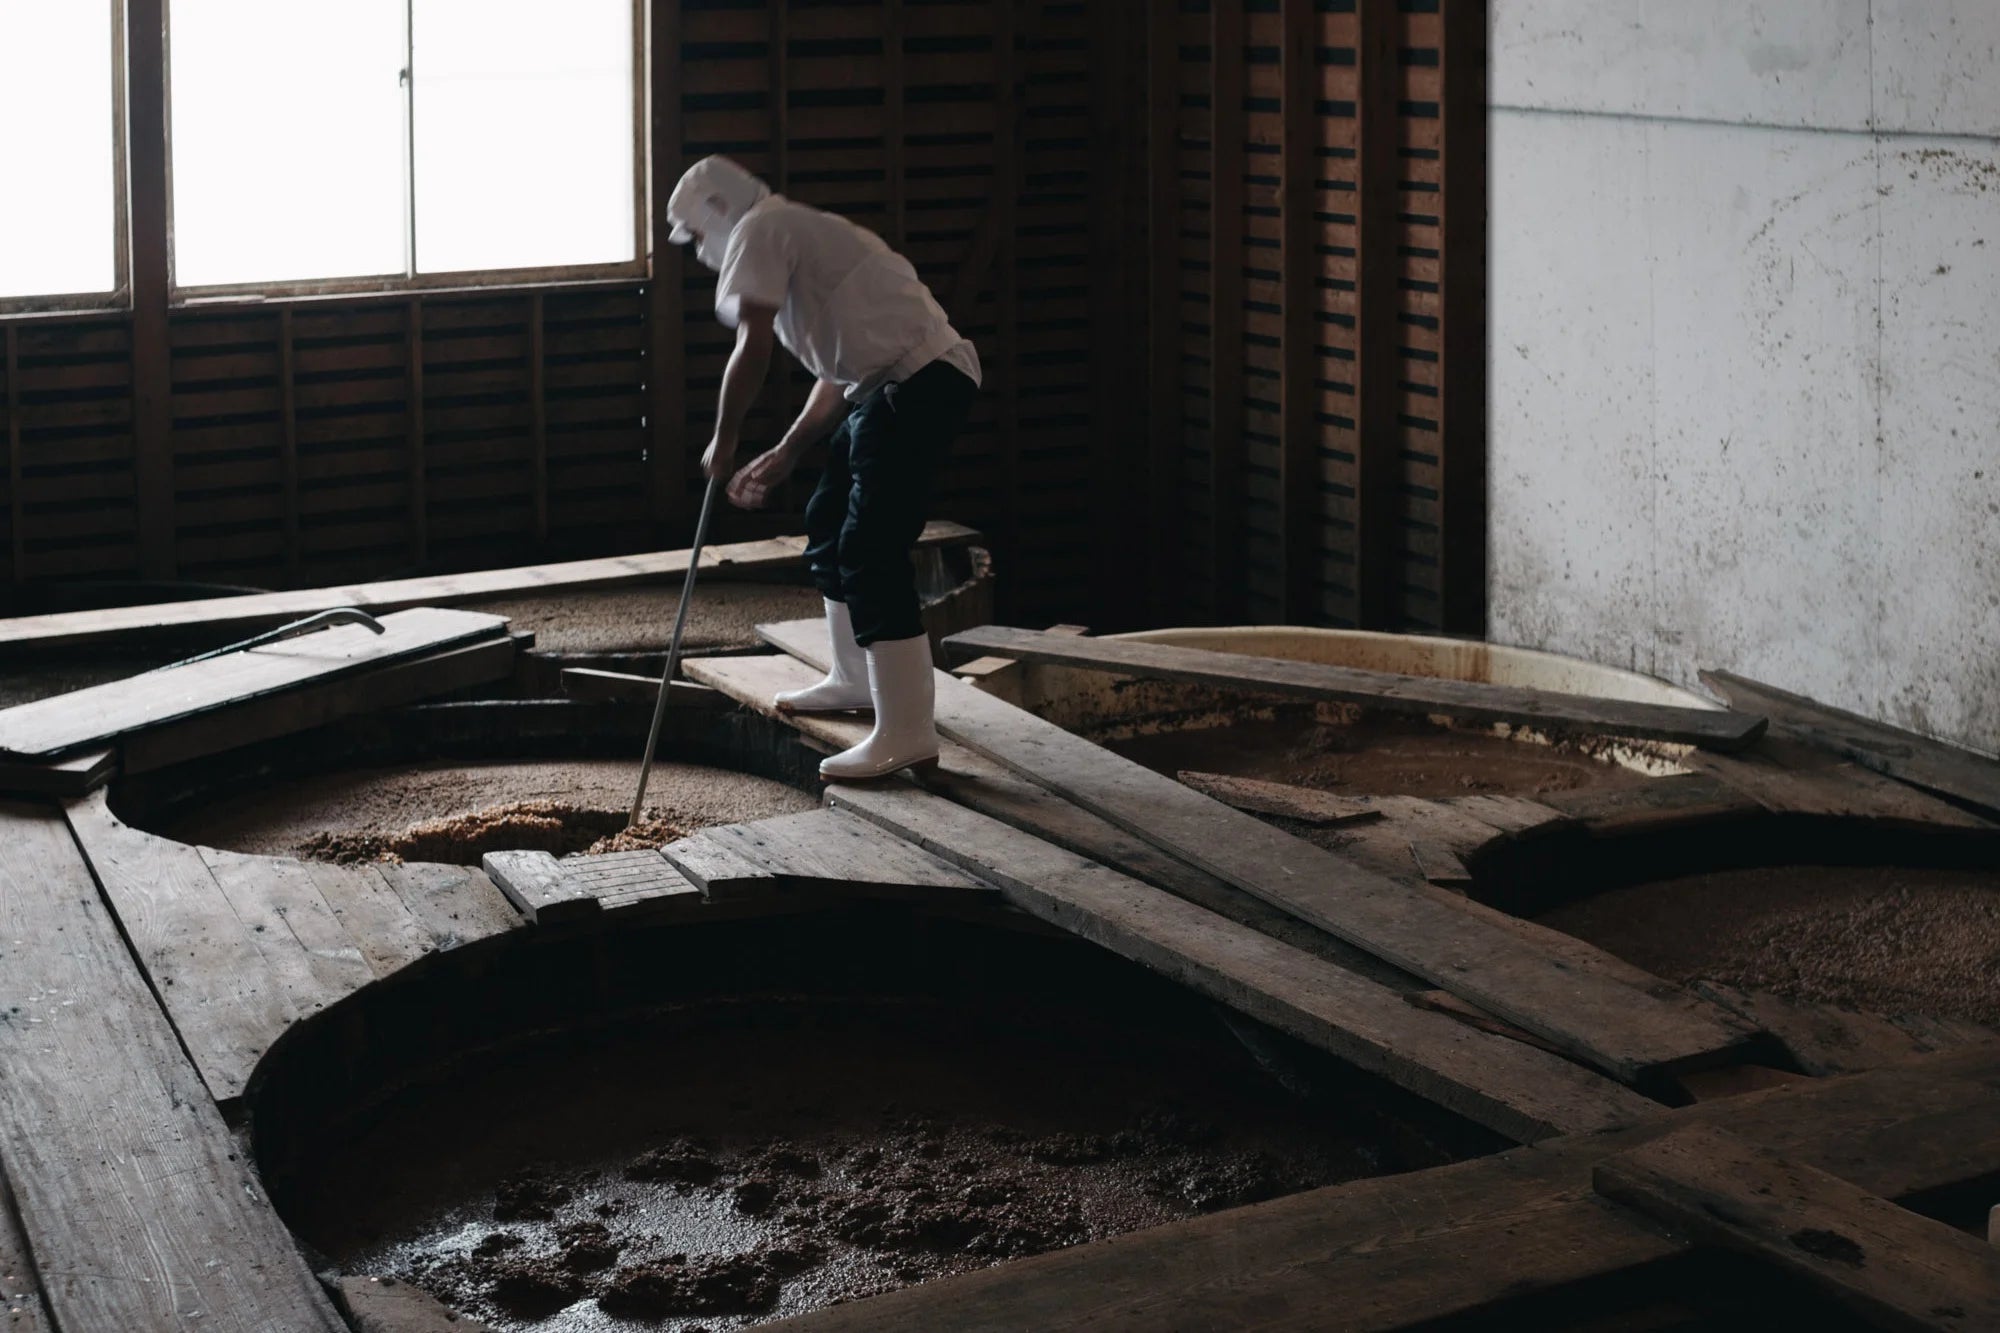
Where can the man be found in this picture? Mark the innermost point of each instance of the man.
(894, 382)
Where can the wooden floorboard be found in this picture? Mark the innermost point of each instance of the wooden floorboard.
(1786, 776)
(457, 905)
(101, 714)
(1401, 1252)
(1547, 711)
(1894, 1268)
(817, 846)
(1875, 745)
(22, 1309)
(1513, 1089)
(137, 1207)
(1531, 977)
(261, 610)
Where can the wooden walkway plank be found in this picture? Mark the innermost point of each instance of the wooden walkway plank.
(624, 687)
(1823, 1040)
(1473, 701)
(1516, 1090)
(102, 713)
(1393, 1252)
(135, 1202)
(302, 941)
(225, 1000)
(1895, 1268)
(1283, 799)
(57, 777)
(255, 611)
(320, 702)
(22, 1309)
(980, 784)
(1874, 745)
(549, 891)
(456, 905)
(373, 915)
(1790, 778)
(1526, 975)
(827, 846)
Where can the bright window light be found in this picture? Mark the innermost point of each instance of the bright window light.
(288, 139)
(58, 156)
(523, 133)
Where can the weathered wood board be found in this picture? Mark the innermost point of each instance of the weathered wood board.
(256, 611)
(1547, 986)
(1786, 776)
(622, 686)
(1875, 745)
(134, 1201)
(1398, 1252)
(72, 776)
(103, 713)
(816, 846)
(548, 891)
(1283, 799)
(1471, 701)
(1514, 1089)
(1895, 1268)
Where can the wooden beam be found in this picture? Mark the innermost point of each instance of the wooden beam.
(1378, 573)
(17, 521)
(666, 328)
(129, 1186)
(1591, 1006)
(824, 848)
(288, 442)
(147, 271)
(1299, 523)
(1895, 1268)
(1282, 799)
(418, 469)
(1541, 710)
(1227, 461)
(1516, 1090)
(132, 624)
(1901, 754)
(1165, 373)
(1462, 300)
(538, 408)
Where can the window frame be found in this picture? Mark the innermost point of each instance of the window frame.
(119, 296)
(638, 267)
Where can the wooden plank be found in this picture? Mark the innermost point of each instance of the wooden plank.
(129, 624)
(1284, 799)
(626, 879)
(1543, 985)
(102, 713)
(824, 846)
(1788, 777)
(1508, 814)
(456, 905)
(981, 785)
(21, 1301)
(319, 703)
(147, 273)
(224, 998)
(534, 883)
(1516, 1090)
(1404, 1251)
(373, 915)
(58, 777)
(624, 687)
(1895, 1268)
(1823, 1040)
(1475, 701)
(1874, 745)
(138, 1207)
(1438, 863)
(304, 946)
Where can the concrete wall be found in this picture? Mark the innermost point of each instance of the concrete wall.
(1746, 345)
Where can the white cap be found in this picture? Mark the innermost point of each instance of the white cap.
(711, 198)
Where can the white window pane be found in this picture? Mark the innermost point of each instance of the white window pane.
(59, 221)
(524, 134)
(288, 139)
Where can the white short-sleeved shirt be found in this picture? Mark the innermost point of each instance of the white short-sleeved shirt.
(849, 308)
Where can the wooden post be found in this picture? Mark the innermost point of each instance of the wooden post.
(666, 356)
(288, 444)
(538, 407)
(1377, 568)
(1006, 203)
(1298, 460)
(146, 194)
(1118, 360)
(1165, 388)
(893, 118)
(1462, 301)
(419, 506)
(1226, 463)
(18, 527)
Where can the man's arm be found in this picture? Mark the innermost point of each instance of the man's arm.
(741, 381)
(825, 405)
(751, 487)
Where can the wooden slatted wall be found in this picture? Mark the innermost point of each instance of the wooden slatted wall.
(1317, 204)
(1222, 259)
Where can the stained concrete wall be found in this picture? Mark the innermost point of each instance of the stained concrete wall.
(1746, 345)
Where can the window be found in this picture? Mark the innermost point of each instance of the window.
(351, 143)
(59, 156)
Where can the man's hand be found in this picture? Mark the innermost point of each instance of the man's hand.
(752, 487)
(719, 459)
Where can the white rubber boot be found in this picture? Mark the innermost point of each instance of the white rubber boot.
(845, 687)
(905, 735)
